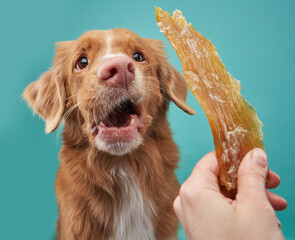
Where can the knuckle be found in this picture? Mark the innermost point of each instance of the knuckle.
(188, 193)
(254, 174)
(176, 206)
(185, 192)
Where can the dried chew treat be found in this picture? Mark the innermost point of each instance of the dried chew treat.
(234, 123)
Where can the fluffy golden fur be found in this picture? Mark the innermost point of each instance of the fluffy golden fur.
(88, 187)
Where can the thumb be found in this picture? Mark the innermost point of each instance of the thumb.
(252, 174)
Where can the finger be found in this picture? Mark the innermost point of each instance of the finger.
(277, 202)
(205, 173)
(208, 163)
(177, 206)
(273, 180)
(252, 175)
(204, 177)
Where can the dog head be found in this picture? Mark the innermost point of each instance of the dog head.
(113, 83)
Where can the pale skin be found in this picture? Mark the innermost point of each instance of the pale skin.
(205, 213)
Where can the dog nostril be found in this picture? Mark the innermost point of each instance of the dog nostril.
(117, 72)
(131, 67)
(113, 72)
(106, 74)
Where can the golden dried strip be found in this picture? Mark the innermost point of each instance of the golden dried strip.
(234, 123)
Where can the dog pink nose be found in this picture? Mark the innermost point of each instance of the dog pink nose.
(117, 71)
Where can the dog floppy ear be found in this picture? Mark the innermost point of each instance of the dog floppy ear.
(177, 90)
(170, 78)
(47, 96)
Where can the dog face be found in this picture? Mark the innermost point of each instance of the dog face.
(113, 83)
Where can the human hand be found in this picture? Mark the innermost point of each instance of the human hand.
(205, 213)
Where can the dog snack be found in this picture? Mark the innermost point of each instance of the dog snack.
(234, 123)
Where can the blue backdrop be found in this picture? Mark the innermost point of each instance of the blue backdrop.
(255, 40)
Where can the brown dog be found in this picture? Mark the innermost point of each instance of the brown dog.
(116, 179)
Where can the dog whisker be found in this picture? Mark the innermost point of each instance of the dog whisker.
(65, 116)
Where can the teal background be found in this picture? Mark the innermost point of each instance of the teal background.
(255, 40)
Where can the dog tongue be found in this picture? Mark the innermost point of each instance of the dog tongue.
(121, 134)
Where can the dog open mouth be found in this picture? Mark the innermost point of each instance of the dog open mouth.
(121, 125)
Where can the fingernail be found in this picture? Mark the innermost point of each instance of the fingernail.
(259, 157)
(279, 223)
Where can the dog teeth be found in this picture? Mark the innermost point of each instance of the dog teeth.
(101, 124)
(131, 122)
(94, 131)
(119, 145)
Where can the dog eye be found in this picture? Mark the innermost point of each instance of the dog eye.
(82, 63)
(138, 57)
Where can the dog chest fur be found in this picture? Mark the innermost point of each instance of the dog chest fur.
(133, 220)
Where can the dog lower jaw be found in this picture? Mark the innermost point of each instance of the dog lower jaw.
(118, 148)
(119, 140)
